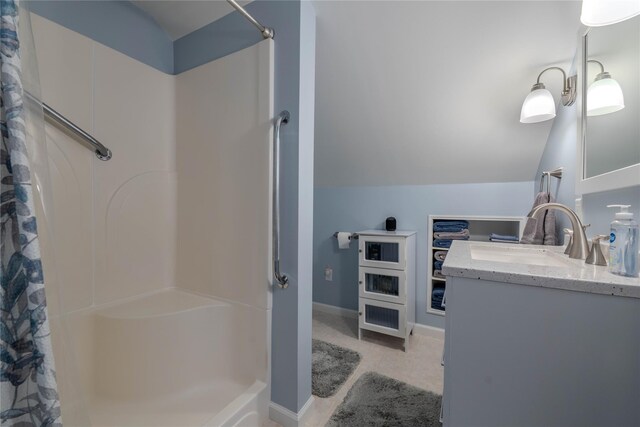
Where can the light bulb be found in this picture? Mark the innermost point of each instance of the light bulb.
(597, 13)
(604, 96)
(538, 106)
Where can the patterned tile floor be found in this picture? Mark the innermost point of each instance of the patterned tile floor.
(419, 366)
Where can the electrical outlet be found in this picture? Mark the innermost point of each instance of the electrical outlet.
(328, 274)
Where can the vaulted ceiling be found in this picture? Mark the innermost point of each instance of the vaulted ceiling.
(180, 17)
(430, 92)
(422, 92)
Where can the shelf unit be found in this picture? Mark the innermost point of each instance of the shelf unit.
(480, 227)
(387, 282)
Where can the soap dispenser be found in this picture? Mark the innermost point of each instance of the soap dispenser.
(623, 247)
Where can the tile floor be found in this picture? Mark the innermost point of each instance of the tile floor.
(419, 366)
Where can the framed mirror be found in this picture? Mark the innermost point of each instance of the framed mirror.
(609, 113)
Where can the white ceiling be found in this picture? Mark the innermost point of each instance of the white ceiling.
(422, 92)
(430, 92)
(180, 17)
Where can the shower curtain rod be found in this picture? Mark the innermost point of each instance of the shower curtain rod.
(267, 32)
(102, 152)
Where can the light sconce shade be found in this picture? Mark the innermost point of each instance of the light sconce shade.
(604, 95)
(597, 13)
(539, 105)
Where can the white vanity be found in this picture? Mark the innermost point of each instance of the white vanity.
(534, 338)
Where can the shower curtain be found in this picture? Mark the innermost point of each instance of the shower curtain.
(28, 391)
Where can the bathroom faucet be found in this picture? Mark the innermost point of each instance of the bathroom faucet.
(579, 244)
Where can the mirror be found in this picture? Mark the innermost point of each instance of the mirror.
(610, 139)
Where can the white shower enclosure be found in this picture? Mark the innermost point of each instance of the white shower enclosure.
(161, 309)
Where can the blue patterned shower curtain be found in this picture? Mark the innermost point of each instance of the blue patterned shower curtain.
(29, 395)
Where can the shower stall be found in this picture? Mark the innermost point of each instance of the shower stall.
(159, 259)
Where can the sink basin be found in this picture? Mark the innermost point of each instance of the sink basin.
(517, 255)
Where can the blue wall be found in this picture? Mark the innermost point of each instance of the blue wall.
(359, 208)
(305, 196)
(561, 151)
(203, 45)
(129, 30)
(117, 24)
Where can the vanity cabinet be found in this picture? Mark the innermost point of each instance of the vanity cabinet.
(386, 281)
(532, 355)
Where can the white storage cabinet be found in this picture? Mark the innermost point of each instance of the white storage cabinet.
(387, 282)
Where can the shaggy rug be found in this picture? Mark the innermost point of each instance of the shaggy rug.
(376, 400)
(331, 366)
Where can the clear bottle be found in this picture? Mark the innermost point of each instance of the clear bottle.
(623, 243)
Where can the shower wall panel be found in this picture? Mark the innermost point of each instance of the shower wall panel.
(135, 192)
(114, 223)
(65, 68)
(224, 114)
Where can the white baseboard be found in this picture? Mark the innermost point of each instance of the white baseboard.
(332, 309)
(428, 331)
(287, 418)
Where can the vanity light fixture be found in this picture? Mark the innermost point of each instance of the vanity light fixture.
(598, 13)
(604, 95)
(539, 105)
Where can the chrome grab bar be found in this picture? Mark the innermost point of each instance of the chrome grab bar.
(102, 152)
(282, 279)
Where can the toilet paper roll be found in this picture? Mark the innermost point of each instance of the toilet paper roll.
(344, 239)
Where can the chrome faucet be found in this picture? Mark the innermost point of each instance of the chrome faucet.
(596, 257)
(579, 248)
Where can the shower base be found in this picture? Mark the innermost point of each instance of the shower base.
(171, 359)
(213, 407)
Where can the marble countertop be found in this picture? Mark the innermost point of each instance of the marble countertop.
(573, 275)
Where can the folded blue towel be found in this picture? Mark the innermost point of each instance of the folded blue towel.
(451, 226)
(451, 235)
(437, 292)
(437, 305)
(437, 265)
(440, 243)
(495, 236)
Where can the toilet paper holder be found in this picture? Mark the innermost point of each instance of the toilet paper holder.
(354, 236)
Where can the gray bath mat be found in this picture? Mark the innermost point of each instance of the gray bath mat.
(376, 400)
(331, 366)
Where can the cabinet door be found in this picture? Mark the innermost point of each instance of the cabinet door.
(383, 284)
(382, 252)
(383, 317)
